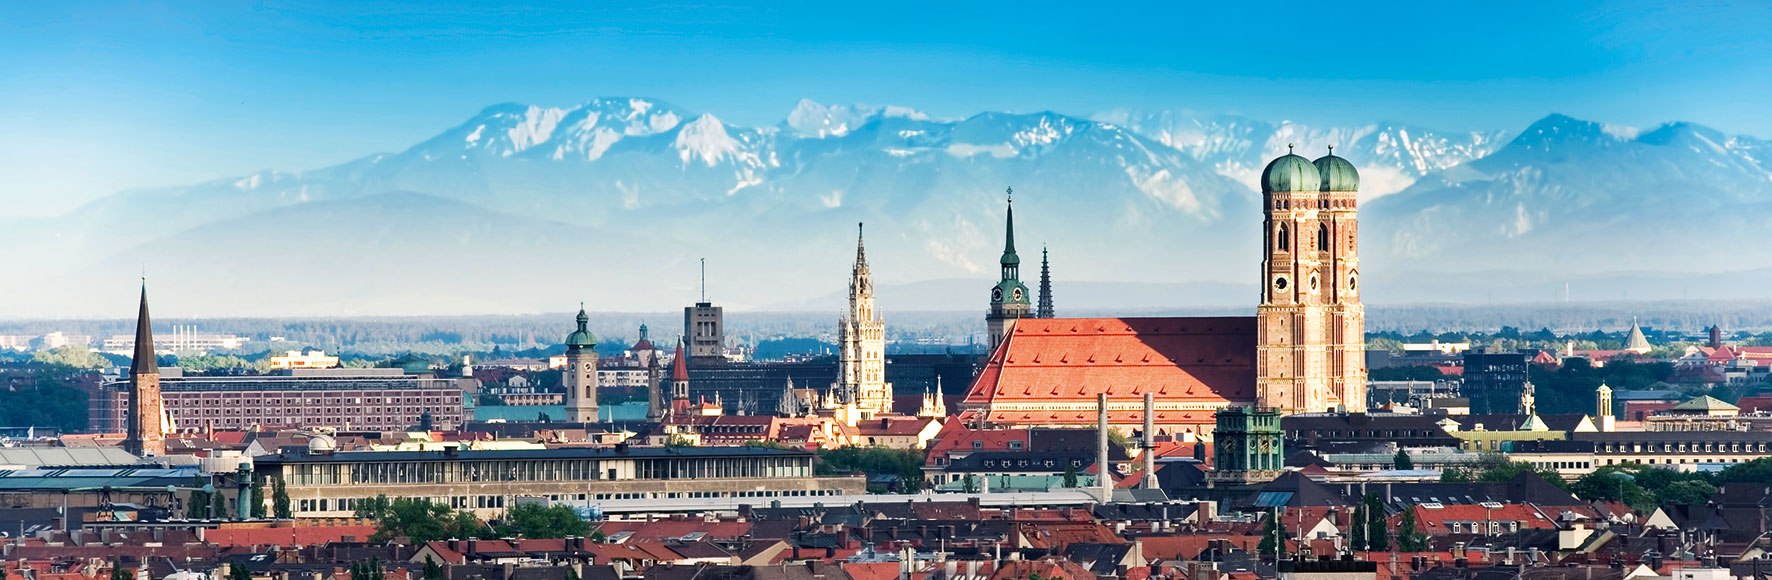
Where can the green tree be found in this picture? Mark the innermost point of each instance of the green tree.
(1070, 476)
(907, 464)
(969, 485)
(1409, 535)
(257, 497)
(1756, 471)
(280, 500)
(198, 505)
(70, 356)
(418, 519)
(1118, 439)
(572, 573)
(1611, 484)
(433, 571)
(1403, 461)
(1687, 492)
(239, 572)
(118, 572)
(1273, 538)
(679, 441)
(1378, 528)
(1356, 522)
(535, 521)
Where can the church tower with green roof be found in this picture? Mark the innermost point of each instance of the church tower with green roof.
(1009, 298)
(580, 373)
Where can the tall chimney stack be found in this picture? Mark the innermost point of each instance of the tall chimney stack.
(1150, 441)
(1105, 475)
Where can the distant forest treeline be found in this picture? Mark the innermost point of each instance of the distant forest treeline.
(912, 330)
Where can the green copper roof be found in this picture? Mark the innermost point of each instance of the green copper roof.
(1337, 174)
(1290, 174)
(582, 337)
(1705, 403)
(1009, 256)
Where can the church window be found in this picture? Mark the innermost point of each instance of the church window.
(1322, 237)
(1285, 240)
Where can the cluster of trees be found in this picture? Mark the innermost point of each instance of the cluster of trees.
(907, 464)
(425, 521)
(1645, 487)
(1570, 388)
(1496, 469)
(51, 396)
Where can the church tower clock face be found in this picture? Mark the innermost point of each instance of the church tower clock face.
(997, 294)
(1017, 295)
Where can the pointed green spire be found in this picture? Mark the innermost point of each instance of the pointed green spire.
(1009, 256)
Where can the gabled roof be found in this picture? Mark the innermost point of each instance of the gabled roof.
(1068, 361)
(1705, 403)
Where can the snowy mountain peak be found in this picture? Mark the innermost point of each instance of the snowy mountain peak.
(706, 139)
(813, 119)
(1557, 129)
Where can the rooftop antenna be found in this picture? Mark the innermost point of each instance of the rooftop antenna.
(704, 279)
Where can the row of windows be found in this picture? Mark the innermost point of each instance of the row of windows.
(1758, 447)
(1477, 527)
(410, 472)
(346, 504)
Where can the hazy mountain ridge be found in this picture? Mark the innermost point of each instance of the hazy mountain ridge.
(612, 200)
(1571, 196)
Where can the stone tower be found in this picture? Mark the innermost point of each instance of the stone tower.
(861, 338)
(1310, 324)
(1009, 298)
(147, 414)
(1045, 308)
(580, 374)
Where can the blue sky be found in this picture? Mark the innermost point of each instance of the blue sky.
(101, 96)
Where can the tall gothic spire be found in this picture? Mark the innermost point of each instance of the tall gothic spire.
(144, 362)
(861, 250)
(1010, 261)
(1045, 307)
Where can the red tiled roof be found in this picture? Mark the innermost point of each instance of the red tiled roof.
(294, 537)
(1435, 521)
(1204, 361)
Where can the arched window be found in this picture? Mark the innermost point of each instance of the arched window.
(1284, 241)
(1322, 237)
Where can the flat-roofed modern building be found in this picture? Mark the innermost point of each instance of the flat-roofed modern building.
(349, 399)
(326, 485)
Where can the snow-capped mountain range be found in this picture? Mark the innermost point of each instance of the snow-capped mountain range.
(523, 208)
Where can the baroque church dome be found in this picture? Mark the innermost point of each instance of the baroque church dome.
(1290, 174)
(1337, 173)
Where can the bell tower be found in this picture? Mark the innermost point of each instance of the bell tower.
(1310, 323)
(1009, 298)
(580, 375)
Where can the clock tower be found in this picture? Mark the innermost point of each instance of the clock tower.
(580, 374)
(1009, 298)
(1310, 324)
